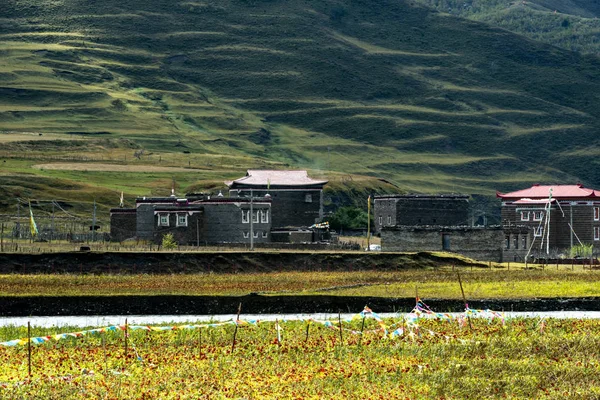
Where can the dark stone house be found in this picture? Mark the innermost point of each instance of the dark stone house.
(413, 223)
(553, 218)
(195, 220)
(296, 199)
(420, 210)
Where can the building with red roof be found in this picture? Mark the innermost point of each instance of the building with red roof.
(557, 217)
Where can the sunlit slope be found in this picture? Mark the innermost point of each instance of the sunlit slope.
(382, 88)
(569, 24)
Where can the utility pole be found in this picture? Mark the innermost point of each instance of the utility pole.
(571, 217)
(94, 222)
(52, 224)
(369, 223)
(251, 221)
(18, 218)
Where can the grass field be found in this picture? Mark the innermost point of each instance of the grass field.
(523, 358)
(441, 283)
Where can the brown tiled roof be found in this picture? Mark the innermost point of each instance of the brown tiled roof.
(264, 177)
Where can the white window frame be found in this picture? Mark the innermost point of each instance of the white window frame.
(264, 216)
(538, 232)
(389, 220)
(523, 214)
(596, 213)
(160, 219)
(308, 198)
(380, 219)
(535, 215)
(256, 234)
(245, 216)
(255, 217)
(185, 217)
(246, 235)
(597, 233)
(264, 234)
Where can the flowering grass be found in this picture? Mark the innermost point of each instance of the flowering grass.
(525, 358)
(432, 283)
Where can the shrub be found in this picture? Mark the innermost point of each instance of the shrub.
(581, 250)
(168, 242)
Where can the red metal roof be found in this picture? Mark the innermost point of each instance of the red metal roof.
(265, 177)
(558, 191)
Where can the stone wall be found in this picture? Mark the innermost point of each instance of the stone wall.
(223, 223)
(122, 224)
(420, 210)
(580, 215)
(475, 242)
(290, 207)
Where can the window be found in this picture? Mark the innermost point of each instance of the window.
(163, 219)
(380, 220)
(389, 219)
(516, 242)
(524, 215)
(596, 213)
(255, 217)
(507, 242)
(538, 232)
(246, 235)
(264, 216)
(524, 241)
(182, 219)
(597, 233)
(537, 215)
(264, 234)
(245, 217)
(255, 234)
(308, 198)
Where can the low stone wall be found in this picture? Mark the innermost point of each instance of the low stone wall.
(483, 244)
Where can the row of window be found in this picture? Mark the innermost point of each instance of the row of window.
(538, 215)
(515, 244)
(182, 220)
(389, 220)
(264, 216)
(256, 233)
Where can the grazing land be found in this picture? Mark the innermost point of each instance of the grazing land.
(439, 283)
(523, 358)
(352, 91)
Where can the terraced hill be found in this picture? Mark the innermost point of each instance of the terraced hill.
(569, 24)
(381, 88)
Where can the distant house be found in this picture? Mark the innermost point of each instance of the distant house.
(419, 222)
(557, 217)
(420, 210)
(296, 199)
(194, 220)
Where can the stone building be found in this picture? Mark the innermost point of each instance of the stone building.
(420, 210)
(296, 199)
(557, 218)
(480, 243)
(194, 220)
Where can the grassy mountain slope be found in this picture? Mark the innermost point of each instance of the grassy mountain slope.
(569, 24)
(379, 88)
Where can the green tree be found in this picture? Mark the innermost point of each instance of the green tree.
(348, 218)
(168, 242)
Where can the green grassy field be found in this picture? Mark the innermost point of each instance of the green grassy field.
(522, 358)
(439, 283)
(351, 91)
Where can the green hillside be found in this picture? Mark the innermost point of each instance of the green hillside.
(569, 24)
(349, 90)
